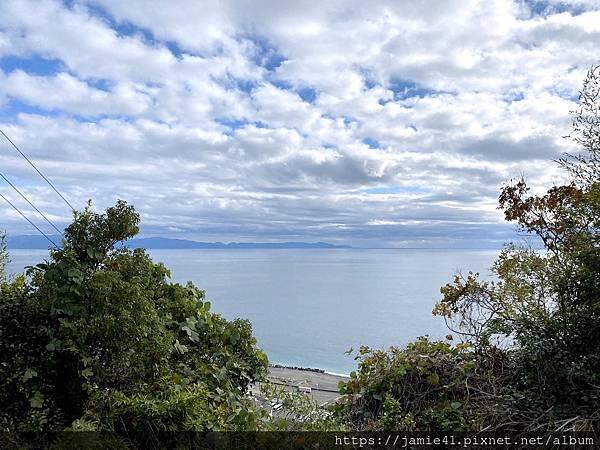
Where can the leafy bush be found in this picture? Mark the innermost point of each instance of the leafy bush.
(97, 338)
(427, 386)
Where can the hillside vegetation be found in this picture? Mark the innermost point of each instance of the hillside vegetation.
(97, 338)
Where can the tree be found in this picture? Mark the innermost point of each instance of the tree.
(97, 338)
(547, 303)
(530, 358)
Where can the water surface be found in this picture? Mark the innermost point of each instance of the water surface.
(309, 306)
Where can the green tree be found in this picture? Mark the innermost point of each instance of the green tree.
(98, 338)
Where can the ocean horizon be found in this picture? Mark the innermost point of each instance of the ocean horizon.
(309, 306)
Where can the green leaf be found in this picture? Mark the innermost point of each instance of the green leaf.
(29, 374)
(433, 379)
(194, 337)
(180, 347)
(221, 374)
(37, 401)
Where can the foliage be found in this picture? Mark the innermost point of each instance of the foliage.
(427, 386)
(97, 338)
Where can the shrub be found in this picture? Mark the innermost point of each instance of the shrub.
(427, 386)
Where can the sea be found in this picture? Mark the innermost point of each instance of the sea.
(308, 307)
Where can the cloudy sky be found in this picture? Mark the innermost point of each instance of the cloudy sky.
(370, 123)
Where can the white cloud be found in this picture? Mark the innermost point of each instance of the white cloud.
(68, 94)
(263, 119)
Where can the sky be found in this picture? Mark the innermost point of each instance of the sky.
(367, 123)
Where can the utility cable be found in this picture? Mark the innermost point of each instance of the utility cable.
(30, 203)
(36, 169)
(27, 219)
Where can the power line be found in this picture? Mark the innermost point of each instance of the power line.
(37, 170)
(25, 217)
(30, 203)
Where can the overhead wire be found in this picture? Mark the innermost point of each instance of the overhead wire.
(37, 170)
(30, 203)
(27, 219)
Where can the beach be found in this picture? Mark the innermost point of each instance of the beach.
(320, 385)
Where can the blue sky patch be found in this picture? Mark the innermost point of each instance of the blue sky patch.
(369, 80)
(281, 84)
(516, 96)
(34, 65)
(404, 89)
(348, 120)
(307, 94)
(372, 143)
(543, 8)
(234, 124)
(369, 84)
(22, 182)
(101, 84)
(266, 55)
(245, 85)
(10, 110)
(273, 61)
(129, 29)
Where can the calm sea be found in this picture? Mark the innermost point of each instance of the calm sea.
(309, 306)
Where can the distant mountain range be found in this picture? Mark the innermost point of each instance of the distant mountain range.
(39, 242)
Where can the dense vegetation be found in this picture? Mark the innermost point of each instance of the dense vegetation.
(97, 338)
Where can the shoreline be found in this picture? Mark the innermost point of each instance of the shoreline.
(309, 369)
(321, 385)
